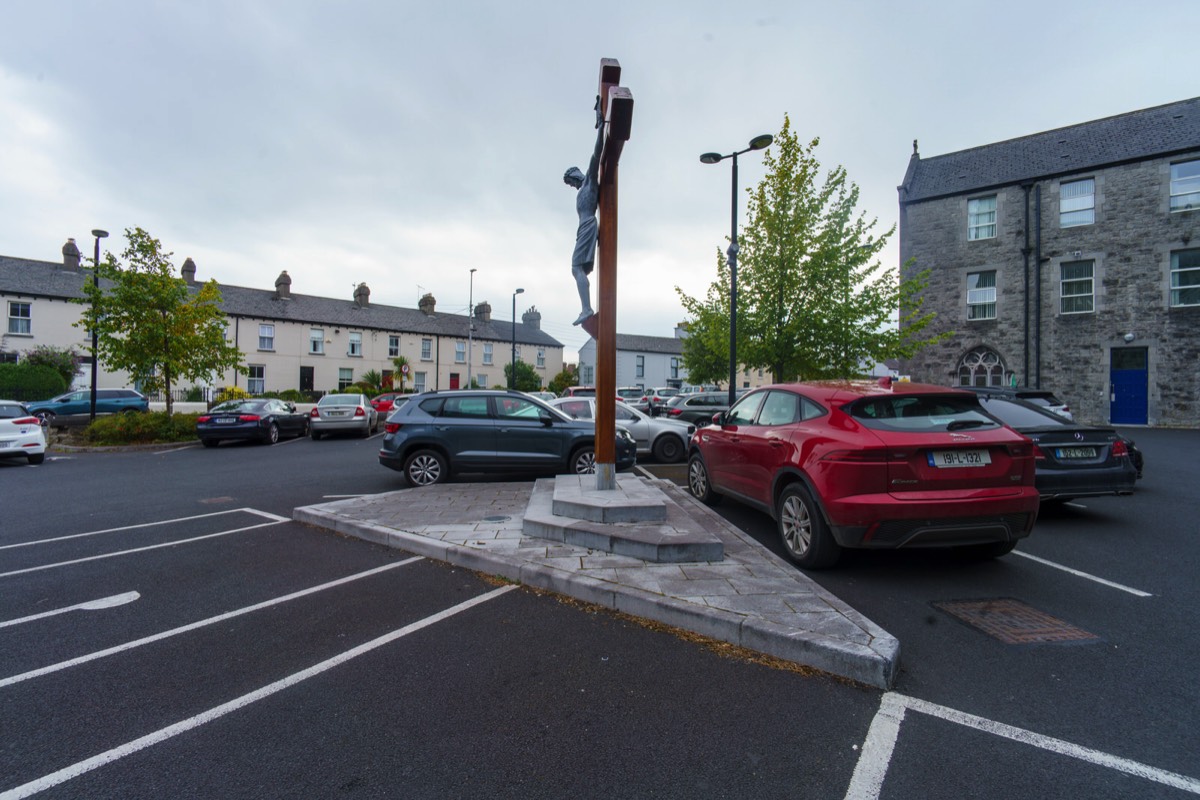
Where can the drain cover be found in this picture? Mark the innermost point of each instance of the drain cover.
(1014, 622)
(496, 518)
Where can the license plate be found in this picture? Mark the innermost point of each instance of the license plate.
(336, 413)
(4, 445)
(959, 458)
(225, 420)
(1075, 452)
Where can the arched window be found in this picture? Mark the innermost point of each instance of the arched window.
(981, 367)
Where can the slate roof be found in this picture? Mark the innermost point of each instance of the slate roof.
(650, 344)
(30, 278)
(1135, 136)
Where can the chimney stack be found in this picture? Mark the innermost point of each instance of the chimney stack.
(362, 296)
(70, 254)
(483, 311)
(532, 318)
(283, 286)
(188, 270)
(426, 305)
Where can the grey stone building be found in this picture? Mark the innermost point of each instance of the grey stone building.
(1067, 260)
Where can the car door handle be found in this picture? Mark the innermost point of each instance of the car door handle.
(777, 443)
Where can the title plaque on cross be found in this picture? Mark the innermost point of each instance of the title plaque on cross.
(616, 111)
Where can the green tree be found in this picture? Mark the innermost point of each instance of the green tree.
(151, 324)
(813, 299)
(371, 382)
(63, 360)
(402, 366)
(527, 377)
(562, 380)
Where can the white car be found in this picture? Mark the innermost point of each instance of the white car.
(665, 439)
(21, 433)
(338, 413)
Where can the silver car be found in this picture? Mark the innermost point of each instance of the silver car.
(339, 413)
(665, 439)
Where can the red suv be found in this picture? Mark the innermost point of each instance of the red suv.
(867, 464)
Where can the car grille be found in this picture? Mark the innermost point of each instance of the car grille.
(949, 531)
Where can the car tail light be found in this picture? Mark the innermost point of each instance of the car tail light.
(1020, 450)
(674, 412)
(1038, 453)
(359, 412)
(314, 413)
(248, 418)
(27, 421)
(1119, 448)
(391, 427)
(204, 419)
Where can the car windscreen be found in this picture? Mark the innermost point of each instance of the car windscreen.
(340, 400)
(1020, 414)
(12, 412)
(237, 405)
(920, 413)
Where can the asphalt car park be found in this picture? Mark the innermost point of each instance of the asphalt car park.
(328, 665)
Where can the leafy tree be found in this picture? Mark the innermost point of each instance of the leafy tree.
(562, 380)
(398, 378)
(527, 377)
(63, 360)
(151, 324)
(813, 299)
(371, 382)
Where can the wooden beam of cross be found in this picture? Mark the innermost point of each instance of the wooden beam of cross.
(616, 106)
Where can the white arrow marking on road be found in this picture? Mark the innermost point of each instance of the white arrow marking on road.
(91, 605)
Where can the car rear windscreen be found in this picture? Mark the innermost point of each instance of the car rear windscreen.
(920, 413)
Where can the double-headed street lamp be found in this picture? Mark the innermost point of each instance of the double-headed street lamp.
(512, 373)
(470, 326)
(757, 143)
(99, 234)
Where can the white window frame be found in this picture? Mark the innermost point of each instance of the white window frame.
(1185, 186)
(1185, 279)
(256, 383)
(418, 382)
(981, 221)
(981, 299)
(639, 366)
(316, 341)
(1077, 203)
(675, 368)
(354, 349)
(487, 352)
(541, 358)
(1077, 291)
(460, 352)
(393, 346)
(345, 378)
(266, 337)
(481, 380)
(20, 324)
(427, 349)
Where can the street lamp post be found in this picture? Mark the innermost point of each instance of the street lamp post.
(512, 373)
(757, 143)
(99, 234)
(470, 325)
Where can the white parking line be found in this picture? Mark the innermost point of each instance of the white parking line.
(162, 735)
(1088, 576)
(121, 648)
(256, 512)
(885, 728)
(91, 605)
(141, 549)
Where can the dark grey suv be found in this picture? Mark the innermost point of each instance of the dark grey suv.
(437, 434)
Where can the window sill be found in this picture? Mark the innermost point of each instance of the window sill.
(316, 354)
(266, 350)
(22, 335)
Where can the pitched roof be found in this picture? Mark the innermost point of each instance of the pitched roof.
(30, 278)
(668, 345)
(1134, 136)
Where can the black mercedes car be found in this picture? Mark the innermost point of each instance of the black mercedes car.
(1072, 459)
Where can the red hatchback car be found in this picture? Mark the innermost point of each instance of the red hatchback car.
(866, 464)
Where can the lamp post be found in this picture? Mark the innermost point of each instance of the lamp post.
(470, 325)
(512, 373)
(757, 143)
(99, 234)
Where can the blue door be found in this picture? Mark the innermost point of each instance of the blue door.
(1128, 380)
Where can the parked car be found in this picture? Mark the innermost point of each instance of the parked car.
(543, 396)
(698, 408)
(338, 413)
(108, 401)
(579, 391)
(1073, 460)
(632, 396)
(655, 399)
(260, 419)
(865, 464)
(665, 439)
(1040, 397)
(438, 434)
(21, 433)
(384, 403)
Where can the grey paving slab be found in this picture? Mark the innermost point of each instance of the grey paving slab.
(746, 595)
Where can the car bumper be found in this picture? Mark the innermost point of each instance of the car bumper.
(1052, 484)
(322, 425)
(227, 432)
(882, 522)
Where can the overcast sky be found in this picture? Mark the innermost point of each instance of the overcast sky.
(403, 143)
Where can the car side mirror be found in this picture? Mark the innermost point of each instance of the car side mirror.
(719, 419)
(291, 407)
(546, 418)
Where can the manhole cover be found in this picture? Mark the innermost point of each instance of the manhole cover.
(1014, 622)
(496, 518)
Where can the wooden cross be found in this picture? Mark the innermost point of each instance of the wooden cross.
(616, 107)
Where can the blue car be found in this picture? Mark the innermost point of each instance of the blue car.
(108, 401)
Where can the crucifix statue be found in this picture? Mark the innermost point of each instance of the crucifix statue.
(598, 191)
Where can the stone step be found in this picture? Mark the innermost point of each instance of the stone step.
(633, 499)
(679, 537)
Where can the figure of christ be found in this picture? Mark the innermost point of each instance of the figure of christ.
(586, 203)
